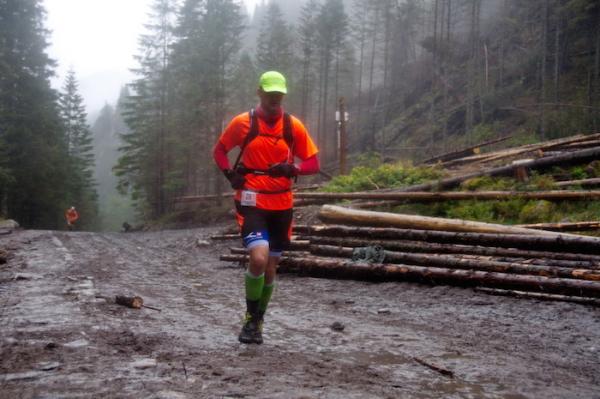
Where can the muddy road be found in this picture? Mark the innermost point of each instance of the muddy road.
(60, 337)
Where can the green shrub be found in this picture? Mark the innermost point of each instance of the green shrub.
(593, 169)
(482, 211)
(578, 173)
(542, 182)
(537, 212)
(384, 176)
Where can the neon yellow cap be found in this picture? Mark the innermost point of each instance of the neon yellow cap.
(273, 81)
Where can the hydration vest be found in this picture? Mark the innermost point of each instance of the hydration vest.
(288, 136)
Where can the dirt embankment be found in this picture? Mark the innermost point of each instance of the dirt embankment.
(62, 338)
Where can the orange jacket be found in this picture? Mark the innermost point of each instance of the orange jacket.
(264, 151)
(71, 215)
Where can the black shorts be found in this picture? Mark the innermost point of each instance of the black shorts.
(261, 226)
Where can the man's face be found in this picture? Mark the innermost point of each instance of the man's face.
(270, 102)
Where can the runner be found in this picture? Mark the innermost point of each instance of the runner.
(263, 174)
(72, 216)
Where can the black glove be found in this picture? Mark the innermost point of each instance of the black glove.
(288, 170)
(236, 179)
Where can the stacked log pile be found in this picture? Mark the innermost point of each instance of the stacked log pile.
(545, 260)
(509, 260)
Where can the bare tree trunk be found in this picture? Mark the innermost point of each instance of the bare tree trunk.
(371, 139)
(433, 77)
(543, 70)
(471, 69)
(557, 55)
(320, 101)
(360, 82)
(597, 72)
(446, 73)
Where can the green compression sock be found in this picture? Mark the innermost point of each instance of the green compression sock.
(254, 286)
(266, 296)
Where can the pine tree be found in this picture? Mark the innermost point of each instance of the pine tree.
(80, 149)
(307, 43)
(143, 166)
(222, 27)
(274, 50)
(114, 208)
(33, 152)
(331, 30)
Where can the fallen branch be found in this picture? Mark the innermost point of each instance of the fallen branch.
(433, 367)
(134, 302)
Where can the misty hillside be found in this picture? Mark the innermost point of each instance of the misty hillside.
(417, 78)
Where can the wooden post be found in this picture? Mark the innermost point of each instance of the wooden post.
(343, 137)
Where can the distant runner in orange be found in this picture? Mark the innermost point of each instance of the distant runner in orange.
(72, 216)
(262, 177)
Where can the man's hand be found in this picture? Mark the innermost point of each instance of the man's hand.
(288, 170)
(236, 179)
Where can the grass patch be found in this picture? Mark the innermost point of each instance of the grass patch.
(373, 177)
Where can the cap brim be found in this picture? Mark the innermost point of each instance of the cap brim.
(274, 89)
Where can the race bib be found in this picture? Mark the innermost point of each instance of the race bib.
(248, 198)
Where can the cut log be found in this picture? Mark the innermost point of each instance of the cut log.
(576, 260)
(134, 302)
(539, 148)
(538, 164)
(577, 226)
(582, 183)
(427, 196)
(581, 144)
(335, 268)
(341, 215)
(465, 151)
(454, 262)
(560, 243)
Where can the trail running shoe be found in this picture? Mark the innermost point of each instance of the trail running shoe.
(258, 339)
(250, 329)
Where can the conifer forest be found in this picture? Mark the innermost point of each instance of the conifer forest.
(416, 77)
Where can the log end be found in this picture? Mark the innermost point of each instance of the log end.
(134, 302)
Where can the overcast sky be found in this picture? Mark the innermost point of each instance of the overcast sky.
(98, 39)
